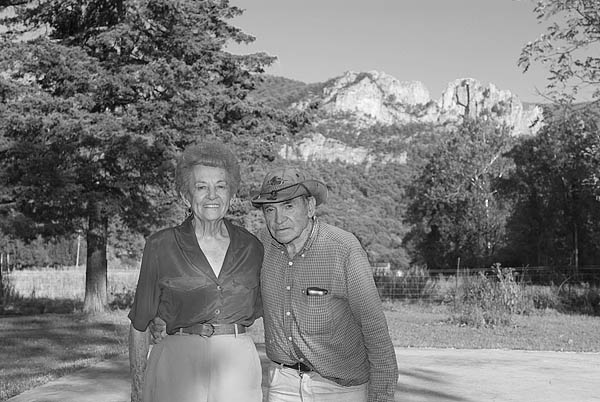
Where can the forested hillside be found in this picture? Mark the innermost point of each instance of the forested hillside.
(282, 92)
(435, 193)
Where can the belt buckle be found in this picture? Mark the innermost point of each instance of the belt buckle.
(212, 330)
(299, 369)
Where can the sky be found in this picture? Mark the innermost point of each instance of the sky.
(432, 41)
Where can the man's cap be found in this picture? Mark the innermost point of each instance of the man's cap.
(283, 184)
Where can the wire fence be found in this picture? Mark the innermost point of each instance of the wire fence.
(438, 285)
(415, 283)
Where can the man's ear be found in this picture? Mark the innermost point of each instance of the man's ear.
(312, 206)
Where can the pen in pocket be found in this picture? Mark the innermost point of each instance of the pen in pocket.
(314, 291)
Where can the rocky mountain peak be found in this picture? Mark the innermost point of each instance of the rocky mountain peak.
(376, 97)
(357, 100)
(469, 97)
(353, 87)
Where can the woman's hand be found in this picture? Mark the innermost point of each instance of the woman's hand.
(139, 345)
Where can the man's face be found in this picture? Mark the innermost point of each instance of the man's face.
(289, 221)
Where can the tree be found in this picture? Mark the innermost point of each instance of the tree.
(570, 47)
(93, 111)
(368, 202)
(557, 211)
(455, 211)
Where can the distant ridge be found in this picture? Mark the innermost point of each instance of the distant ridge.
(378, 98)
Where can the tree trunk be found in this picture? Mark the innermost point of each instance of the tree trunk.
(96, 268)
(576, 250)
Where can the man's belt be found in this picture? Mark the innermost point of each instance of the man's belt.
(301, 367)
(209, 330)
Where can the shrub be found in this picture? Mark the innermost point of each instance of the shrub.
(490, 301)
(444, 288)
(582, 298)
(7, 291)
(414, 283)
(122, 300)
(510, 293)
(544, 297)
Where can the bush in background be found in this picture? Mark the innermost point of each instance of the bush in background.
(582, 298)
(490, 300)
(413, 283)
(122, 300)
(544, 297)
(7, 291)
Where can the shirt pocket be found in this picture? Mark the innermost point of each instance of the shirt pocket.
(184, 296)
(314, 314)
(244, 295)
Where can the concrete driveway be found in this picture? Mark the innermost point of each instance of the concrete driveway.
(432, 375)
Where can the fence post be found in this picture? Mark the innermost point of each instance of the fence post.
(1, 281)
(456, 281)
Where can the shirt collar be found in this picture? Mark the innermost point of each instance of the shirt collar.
(188, 235)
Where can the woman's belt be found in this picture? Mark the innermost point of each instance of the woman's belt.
(208, 330)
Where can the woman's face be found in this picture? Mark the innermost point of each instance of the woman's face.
(209, 192)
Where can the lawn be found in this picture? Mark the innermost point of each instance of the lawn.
(428, 325)
(39, 348)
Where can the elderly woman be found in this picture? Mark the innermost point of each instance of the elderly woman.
(202, 279)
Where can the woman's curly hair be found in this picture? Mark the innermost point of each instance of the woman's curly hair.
(212, 154)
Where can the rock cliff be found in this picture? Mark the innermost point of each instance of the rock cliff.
(317, 146)
(374, 94)
(373, 97)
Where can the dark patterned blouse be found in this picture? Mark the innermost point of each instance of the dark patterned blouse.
(177, 283)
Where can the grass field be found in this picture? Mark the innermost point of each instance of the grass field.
(66, 283)
(39, 348)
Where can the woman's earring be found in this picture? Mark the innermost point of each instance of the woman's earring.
(188, 212)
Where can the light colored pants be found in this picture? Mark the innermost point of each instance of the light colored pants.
(191, 368)
(287, 385)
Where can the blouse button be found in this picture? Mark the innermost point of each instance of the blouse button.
(290, 263)
(219, 287)
(289, 338)
(288, 313)
(217, 311)
(288, 288)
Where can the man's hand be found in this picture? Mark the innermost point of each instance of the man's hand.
(158, 330)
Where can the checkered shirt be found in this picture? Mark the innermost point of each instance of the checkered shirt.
(343, 334)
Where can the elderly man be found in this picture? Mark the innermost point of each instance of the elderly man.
(325, 330)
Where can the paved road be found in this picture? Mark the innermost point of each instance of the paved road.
(432, 375)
